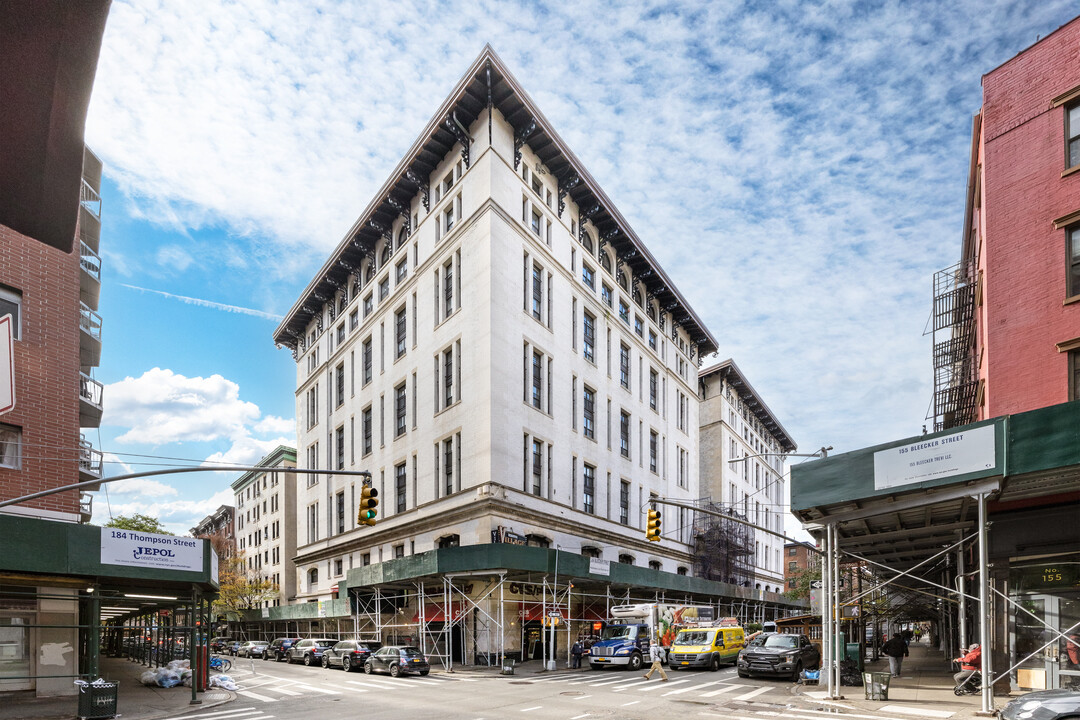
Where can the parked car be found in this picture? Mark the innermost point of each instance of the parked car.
(779, 654)
(277, 649)
(232, 647)
(310, 651)
(252, 649)
(349, 654)
(397, 659)
(218, 644)
(1043, 705)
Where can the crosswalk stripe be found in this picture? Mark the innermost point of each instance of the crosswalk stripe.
(661, 685)
(255, 696)
(234, 713)
(752, 693)
(318, 689)
(680, 691)
(283, 691)
(721, 691)
(601, 683)
(371, 683)
(916, 710)
(815, 714)
(531, 709)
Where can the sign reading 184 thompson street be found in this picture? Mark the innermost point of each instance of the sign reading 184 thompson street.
(140, 549)
(936, 458)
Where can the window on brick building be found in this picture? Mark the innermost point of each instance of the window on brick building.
(10, 446)
(11, 303)
(1074, 376)
(1072, 134)
(1072, 239)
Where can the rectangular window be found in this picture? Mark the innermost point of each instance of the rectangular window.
(1074, 375)
(1073, 253)
(340, 514)
(312, 463)
(536, 217)
(607, 296)
(341, 333)
(589, 487)
(448, 289)
(624, 312)
(639, 326)
(399, 551)
(589, 325)
(588, 276)
(340, 384)
(399, 486)
(366, 429)
(313, 406)
(354, 320)
(624, 502)
(654, 442)
(1072, 133)
(654, 381)
(652, 340)
(384, 288)
(11, 304)
(537, 291)
(401, 270)
(624, 434)
(537, 466)
(537, 186)
(448, 377)
(448, 466)
(589, 421)
(10, 446)
(624, 366)
(399, 410)
(448, 217)
(366, 359)
(537, 379)
(339, 441)
(399, 332)
(369, 305)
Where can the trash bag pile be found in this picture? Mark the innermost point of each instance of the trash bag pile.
(849, 673)
(223, 681)
(177, 672)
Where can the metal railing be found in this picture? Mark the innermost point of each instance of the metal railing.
(90, 322)
(89, 199)
(90, 460)
(90, 261)
(90, 390)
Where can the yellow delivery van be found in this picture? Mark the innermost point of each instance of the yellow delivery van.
(706, 647)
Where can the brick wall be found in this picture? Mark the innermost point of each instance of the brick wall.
(1024, 191)
(46, 370)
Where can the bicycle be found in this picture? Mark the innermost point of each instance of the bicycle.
(220, 664)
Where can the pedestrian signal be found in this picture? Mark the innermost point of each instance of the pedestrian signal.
(652, 527)
(368, 502)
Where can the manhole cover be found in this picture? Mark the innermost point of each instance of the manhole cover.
(572, 692)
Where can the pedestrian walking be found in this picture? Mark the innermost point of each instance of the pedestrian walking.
(656, 654)
(896, 649)
(575, 654)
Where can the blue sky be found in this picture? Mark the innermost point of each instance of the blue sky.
(798, 168)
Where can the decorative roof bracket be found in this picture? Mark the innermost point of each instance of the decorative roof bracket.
(458, 131)
(566, 184)
(382, 230)
(519, 140)
(425, 195)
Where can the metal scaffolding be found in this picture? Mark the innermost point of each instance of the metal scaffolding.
(723, 549)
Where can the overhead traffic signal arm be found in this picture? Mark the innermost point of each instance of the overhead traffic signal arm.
(369, 501)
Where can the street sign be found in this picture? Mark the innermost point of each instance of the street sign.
(816, 584)
(555, 614)
(7, 365)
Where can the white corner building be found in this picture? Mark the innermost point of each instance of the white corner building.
(493, 343)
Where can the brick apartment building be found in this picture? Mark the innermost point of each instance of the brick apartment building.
(798, 558)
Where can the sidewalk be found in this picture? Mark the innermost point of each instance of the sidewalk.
(135, 701)
(925, 682)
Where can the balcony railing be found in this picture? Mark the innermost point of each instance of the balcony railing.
(90, 261)
(90, 460)
(86, 506)
(90, 322)
(89, 199)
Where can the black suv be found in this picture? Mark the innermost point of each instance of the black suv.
(309, 651)
(279, 648)
(778, 654)
(349, 654)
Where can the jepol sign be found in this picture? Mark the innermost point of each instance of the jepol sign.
(139, 549)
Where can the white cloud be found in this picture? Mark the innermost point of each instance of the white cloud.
(162, 407)
(797, 168)
(178, 516)
(144, 487)
(247, 451)
(275, 424)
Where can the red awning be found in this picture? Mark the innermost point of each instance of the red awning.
(433, 612)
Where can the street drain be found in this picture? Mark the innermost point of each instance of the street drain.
(572, 692)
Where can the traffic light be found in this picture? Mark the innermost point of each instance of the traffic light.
(368, 502)
(652, 527)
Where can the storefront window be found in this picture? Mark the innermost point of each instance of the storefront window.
(1045, 623)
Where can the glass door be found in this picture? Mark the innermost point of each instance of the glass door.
(1066, 618)
(15, 669)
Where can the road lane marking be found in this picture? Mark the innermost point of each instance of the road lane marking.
(581, 697)
(531, 709)
(661, 685)
(373, 683)
(632, 702)
(722, 690)
(680, 691)
(236, 712)
(753, 693)
(255, 696)
(318, 689)
(578, 717)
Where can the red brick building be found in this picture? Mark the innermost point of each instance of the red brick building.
(798, 557)
(1007, 317)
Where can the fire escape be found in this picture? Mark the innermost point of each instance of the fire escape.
(956, 378)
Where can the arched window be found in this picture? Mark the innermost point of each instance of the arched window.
(637, 297)
(654, 565)
(385, 258)
(313, 578)
(626, 559)
(369, 273)
(587, 242)
(590, 552)
(449, 541)
(605, 261)
(651, 309)
(537, 541)
(681, 570)
(402, 236)
(621, 278)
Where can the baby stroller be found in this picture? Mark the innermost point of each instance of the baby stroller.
(971, 686)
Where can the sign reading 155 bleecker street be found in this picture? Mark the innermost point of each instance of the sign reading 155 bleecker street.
(937, 458)
(140, 549)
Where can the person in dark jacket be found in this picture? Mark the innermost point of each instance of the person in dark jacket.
(897, 650)
(575, 654)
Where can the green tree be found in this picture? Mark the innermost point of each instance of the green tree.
(802, 578)
(139, 523)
